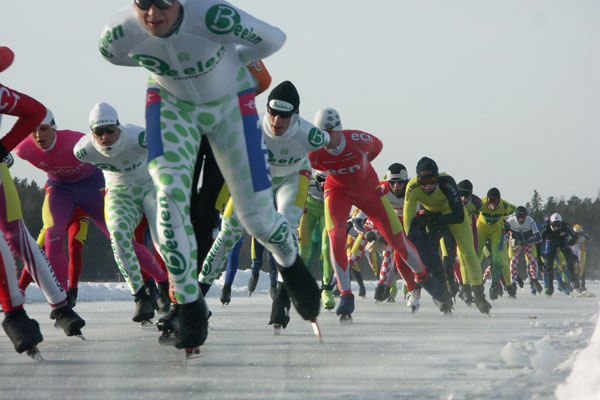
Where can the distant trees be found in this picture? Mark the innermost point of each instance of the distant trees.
(585, 212)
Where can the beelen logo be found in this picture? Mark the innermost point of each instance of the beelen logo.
(222, 19)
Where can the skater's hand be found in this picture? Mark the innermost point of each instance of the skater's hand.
(370, 236)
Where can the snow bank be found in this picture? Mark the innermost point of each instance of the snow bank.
(584, 381)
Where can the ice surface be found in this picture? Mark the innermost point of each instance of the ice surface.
(533, 347)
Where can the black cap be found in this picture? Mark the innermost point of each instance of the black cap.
(426, 168)
(465, 187)
(521, 211)
(493, 192)
(284, 97)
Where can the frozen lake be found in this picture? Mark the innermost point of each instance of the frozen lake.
(525, 350)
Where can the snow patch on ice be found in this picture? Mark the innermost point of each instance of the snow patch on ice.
(512, 355)
(546, 358)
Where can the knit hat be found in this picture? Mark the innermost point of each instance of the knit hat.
(6, 57)
(284, 97)
(426, 168)
(103, 114)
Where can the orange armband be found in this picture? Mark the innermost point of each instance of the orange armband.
(260, 73)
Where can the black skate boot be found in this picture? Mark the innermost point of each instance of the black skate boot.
(536, 285)
(280, 309)
(380, 292)
(163, 300)
(479, 299)
(512, 290)
(440, 295)
(362, 291)
(193, 324)
(549, 289)
(152, 292)
(72, 297)
(226, 294)
(466, 294)
(252, 282)
(495, 290)
(169, 322)
(302, 289)
(346, 308)
(452, 287)
(144, 309)
(68, 320)
(23, 332)
(386, 292)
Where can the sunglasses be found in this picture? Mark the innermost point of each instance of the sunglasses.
(109, 130)
(555, 224)
(432, 180)
(281, 114)
(160, 4)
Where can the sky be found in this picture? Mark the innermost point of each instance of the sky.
(533, 347)
(503, 93)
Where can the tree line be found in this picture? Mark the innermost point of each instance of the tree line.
(99, 263)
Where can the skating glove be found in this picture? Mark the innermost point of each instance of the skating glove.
(3, 151)
(370, 236)
(8, 160)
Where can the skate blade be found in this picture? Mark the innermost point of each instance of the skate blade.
(317, 331)
(166, 339)
(80, 336)
(346, 319)
(147, 324)
(35, 354)
(191, 354)
(277, 329)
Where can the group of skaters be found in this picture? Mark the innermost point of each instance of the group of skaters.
(207, 161)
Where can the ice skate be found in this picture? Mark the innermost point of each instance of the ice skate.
(413, 300)
(495, 290)
(252, 282)
(168, 325)
(438, 293)
(193, 324)
(226, 294)
(302, 289)
(452, 287)
(162, 300)
(479, 299)
(23, 332)
(466, 294)
(512, 290)
(379, 293)
(68, 320)
(280, 310)
(346, 308)
(536, 285)
(327, 299)
(72, 297)
(362, 291)
(549, 290)
(144, 309)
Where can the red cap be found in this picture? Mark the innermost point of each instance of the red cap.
(6, 57)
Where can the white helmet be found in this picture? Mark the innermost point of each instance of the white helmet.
(555, 218)
(48, 119)
(328, 118)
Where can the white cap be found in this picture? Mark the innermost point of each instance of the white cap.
(48, 119)
(103, 114)
(328, 118)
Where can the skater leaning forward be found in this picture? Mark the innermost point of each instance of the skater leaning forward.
(209, 92)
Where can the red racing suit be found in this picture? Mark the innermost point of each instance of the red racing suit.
(351, 180)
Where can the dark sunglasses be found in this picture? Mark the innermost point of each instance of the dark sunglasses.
(160, 4)
(428, 181)
(281, 114)
(556, 223)
(109, 130)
